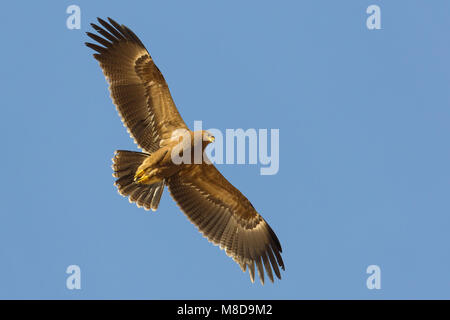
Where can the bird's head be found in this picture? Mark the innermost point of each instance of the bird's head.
(207, 137)
(202, 138)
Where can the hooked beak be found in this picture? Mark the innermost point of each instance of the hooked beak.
(211, 139)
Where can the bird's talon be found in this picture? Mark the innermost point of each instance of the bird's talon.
(138, 175)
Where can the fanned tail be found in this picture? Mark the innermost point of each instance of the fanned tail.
(125, 164)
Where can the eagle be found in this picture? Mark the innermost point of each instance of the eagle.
(143, 100)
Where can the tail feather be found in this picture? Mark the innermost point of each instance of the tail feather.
(125, 164)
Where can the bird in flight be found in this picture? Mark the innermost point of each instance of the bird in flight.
(143, 100)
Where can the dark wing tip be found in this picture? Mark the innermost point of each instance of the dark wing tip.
(100, 20)
(95, 47)
(268, 260)
(109, 27)
(113, 32)
(100, 40)
(112, 21)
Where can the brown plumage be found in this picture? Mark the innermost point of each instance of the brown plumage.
(219, 210)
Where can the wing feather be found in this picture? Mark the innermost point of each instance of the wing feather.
(137, 87)
(251, 271)
(226, 218)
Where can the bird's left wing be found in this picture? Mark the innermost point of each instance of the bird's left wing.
(227, 219)
(137, 87)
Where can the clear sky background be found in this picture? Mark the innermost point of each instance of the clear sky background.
(364, 148)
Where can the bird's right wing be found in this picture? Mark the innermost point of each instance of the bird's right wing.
(137, 87)
(227, 219)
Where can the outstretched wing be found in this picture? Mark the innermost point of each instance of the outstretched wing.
(137, 87)
(226, 218)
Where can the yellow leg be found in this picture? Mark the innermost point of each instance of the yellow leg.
(142, 177)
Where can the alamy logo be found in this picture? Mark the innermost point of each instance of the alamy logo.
(373, 22)
(74, 280)
(74, 20)
(240, 146)
(374, 280)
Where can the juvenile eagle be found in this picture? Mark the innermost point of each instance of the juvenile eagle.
(220, 211)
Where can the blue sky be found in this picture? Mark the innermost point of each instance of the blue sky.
(364, 173)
